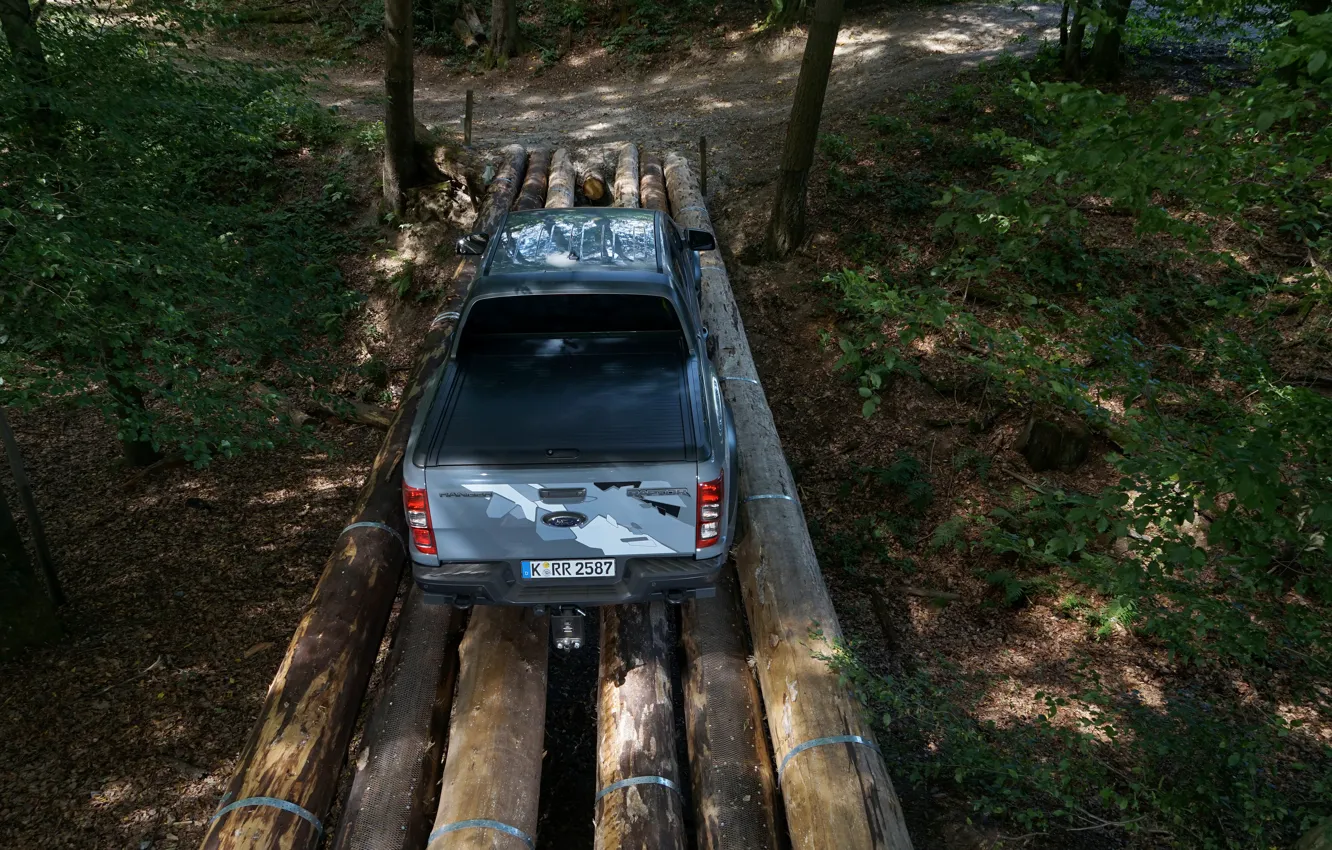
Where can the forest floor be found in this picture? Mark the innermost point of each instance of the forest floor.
(185, 589)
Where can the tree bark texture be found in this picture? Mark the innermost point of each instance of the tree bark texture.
(1105, 53)
(637, 733)
(626, 176)
(560, 188)
(533, 195)
(503, 31)
(400, 164)
(1072, 42)
(299, 743)
(27, 615)
(504, 188)
(652, 184)
(492, 771)
(44, 559)
(786, 229)
(25, 50)
(730, 764)
(835, 794)
(785, 13)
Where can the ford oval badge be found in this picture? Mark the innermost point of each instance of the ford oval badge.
(565, 519)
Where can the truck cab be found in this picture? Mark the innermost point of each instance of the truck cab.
(575, 448)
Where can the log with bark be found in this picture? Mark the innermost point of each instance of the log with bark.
(730, 765)
(652, 184)
(834, 784)
(636, 743)
(533, 195)
(469, 29)
(504, 188)
(592, 180)
(626, 176)
(492, 773)
(299, 743)
(560, 188)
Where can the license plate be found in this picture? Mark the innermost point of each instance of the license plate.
(569, 569)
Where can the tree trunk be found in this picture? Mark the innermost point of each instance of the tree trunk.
(786, 230)
(533, 195)
(1072, 43)
(137, 446)
(626, 176)
(25, 50)
(503, 31)
(27, 616)
(837, 793)
(636, 738)
(1105, 53)
(400, 165)
(30, 508)
(560, 189)
(652, 185)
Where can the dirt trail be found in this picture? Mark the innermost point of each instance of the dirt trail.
(738, 96)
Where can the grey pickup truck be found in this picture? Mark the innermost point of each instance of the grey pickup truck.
(575, 449)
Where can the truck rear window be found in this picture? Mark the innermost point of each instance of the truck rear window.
(560, 242)
(552, 315)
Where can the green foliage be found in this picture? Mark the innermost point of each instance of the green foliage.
(1195, 772)
(164, 248)
(650, 25)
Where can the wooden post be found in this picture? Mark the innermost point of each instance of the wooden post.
(703, 166)
(652, 185)
(44, 559)
(533, 195)
(467, 120)
(730, 765)
(504, 188)
(298, 745)
(837, 794)
(636, 744)
(560, 188)
(492, 774)
(626, 176)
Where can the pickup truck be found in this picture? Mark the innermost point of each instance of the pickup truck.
(575, 448)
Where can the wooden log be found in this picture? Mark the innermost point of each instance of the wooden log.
(636, 742)
(626, 176)
(652, 185)
(504, 188)
(399, 760)
(299, 743)
(592, 181)
(836, 794)
(730, 765)
(533, 195)
(560, 187)
(492, 773)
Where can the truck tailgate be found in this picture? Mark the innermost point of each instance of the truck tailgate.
(530, 401)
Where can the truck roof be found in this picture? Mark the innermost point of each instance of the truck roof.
(578, 240)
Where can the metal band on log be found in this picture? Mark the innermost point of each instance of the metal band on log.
(836, 795)
(729, 763)
(560, 189)
(533, 195)
(626, 176)
(652, 185)
(289, 767)
(492, 774)
(639, 798)
(398, 766)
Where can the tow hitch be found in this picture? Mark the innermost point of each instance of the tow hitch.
(566, 627)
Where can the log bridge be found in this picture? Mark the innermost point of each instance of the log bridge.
(449, 751)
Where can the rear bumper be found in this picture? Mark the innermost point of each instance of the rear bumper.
(636, 580)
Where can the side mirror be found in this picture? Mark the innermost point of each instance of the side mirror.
(701, 240)
(473, 244)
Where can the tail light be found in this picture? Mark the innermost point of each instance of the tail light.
(416, 505)
(709, 512)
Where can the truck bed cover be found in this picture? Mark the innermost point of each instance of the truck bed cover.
(529, 400)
